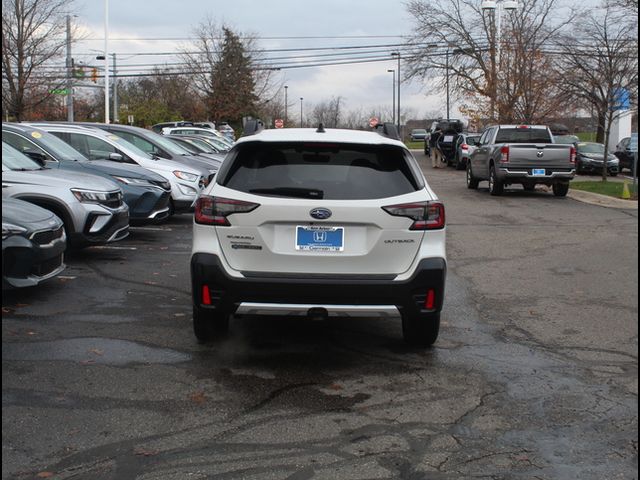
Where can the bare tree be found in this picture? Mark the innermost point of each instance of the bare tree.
(328, 112)
(32, 38)
(226, 71)
(506, 80)
(601, 65)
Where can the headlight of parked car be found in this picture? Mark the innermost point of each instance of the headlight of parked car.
(9, 229)
(91, 196)
(190, 177)
(132, 181)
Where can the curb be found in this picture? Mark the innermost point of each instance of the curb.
(602, 200)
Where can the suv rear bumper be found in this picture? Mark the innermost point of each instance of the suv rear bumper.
(343, 296)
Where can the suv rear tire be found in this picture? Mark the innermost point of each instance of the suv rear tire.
(420, 330)
(209, 325)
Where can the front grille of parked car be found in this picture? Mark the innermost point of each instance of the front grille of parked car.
(45, 238)
(114, 200)
(47, 266)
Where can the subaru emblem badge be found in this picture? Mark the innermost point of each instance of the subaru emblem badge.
(320, 213)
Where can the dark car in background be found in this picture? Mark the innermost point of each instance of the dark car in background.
(590, 158)
(418, 134)
(625, 152)
(146, 193)
(33, 244)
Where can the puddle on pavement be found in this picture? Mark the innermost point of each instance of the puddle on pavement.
(104, 351)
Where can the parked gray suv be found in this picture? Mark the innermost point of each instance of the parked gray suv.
(91, 207)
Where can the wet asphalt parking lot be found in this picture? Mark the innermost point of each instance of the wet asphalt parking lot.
(534, 376)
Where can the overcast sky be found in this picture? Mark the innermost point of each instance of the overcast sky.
(136, 26)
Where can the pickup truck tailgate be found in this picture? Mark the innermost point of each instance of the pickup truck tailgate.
(547, 156)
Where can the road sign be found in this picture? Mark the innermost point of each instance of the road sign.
(279, 123)
(633, 144)
(373, 122)
(59, 91)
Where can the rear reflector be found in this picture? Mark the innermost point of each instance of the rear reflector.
(430, 301)
(206, 295)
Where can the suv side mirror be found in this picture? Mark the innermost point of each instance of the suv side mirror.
(39, 158)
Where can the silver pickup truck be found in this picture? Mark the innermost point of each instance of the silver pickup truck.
(522, 154)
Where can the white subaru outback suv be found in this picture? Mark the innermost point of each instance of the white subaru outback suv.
(319, 223)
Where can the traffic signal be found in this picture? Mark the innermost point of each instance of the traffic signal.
(94, 74)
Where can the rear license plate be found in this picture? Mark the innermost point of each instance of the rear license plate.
(320, 239)
(539, 172)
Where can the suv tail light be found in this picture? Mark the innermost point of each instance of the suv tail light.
(215, 210)
(425, 215)
(504, 154)
(572, 155)
(464, 147)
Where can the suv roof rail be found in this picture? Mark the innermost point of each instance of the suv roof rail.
(252, 127)
(389, 130)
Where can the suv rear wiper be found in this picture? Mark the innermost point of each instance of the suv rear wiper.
(290, 192)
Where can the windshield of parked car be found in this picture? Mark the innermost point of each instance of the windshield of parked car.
(523, 135)
(12, 159)
(60, 149)
(566, 139)
(147, 142)
(337, 172)
(591, 148)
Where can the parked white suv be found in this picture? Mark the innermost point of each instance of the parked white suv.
(319, 223)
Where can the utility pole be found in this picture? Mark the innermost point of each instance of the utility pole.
(69, 65)
(394, 54)
(448, 95)
(286, 106)
(106, 61)
(115, 91)
(301, 100)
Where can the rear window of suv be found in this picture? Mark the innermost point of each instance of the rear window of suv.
(329, 171)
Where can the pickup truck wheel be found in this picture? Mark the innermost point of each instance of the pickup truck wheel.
(496, 187)
(208, 325)
(420, 330)
(472, 182)
(560, 189)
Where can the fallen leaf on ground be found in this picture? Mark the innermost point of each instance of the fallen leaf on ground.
(144, 452)
(45, 475)
(335, 386)
(198, 398)
(96, 351)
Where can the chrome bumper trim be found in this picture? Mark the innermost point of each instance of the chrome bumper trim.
(302, 310)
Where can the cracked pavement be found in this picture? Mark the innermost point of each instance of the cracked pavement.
(534, 375)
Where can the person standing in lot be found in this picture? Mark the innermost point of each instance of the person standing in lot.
(436, 154)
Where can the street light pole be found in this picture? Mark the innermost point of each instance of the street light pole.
(301, 99)
(106, 61)
(286, 106)
(448, 95)
(399, 119)
(493, 5)
(115, 91)
(69, 73)
(393, 91)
